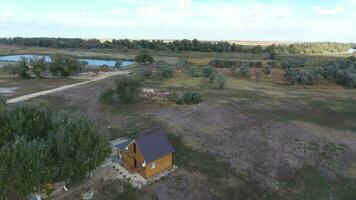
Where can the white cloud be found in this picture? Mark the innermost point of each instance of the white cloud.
(115, 11)
(5, 16)
(328, 11)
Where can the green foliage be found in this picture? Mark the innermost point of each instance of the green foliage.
(107, 96)
(244, 70)
(223, 63)
(40, 146)
(219, 81)
(164, 71)
(298, 76)
(343, 72)
(272, 55)
(207, 71)
(192, 71)
(21, 68)
(38, 65)
(147, 72)
(212, 77)
(267, 69)
(191, 98)
(257, 64)
(273, 64)
(293, 63)
(127, 87)
(145, 57)
(177, 45)
(64, 65)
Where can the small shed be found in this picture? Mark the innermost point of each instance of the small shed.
(148, 154)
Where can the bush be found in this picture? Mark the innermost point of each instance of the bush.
(145, 57)
(219, 81)
(164, 71)
(38, 65)
(212, 77)
(107, 96)
(207, 71)
(189, 98)
(293, 63)
(244, 70)
(192, 71)
(147, 72)
(267, 69)
(223, 63)
(273, 64)
(127, 87)
(257, 64)
(20, 68)
(64, 65)
(272, 55)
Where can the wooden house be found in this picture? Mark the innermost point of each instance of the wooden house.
(148, 155)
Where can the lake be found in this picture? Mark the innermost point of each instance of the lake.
(91, 62)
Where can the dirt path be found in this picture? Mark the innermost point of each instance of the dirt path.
(42, 93)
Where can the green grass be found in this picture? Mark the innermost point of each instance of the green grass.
(308, 184)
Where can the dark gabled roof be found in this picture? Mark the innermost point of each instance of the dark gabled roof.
(123, 145)
(154, 144)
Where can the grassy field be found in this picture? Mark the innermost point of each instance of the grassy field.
(256, 139)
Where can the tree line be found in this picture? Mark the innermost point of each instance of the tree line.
(178, 45)
(60, 65)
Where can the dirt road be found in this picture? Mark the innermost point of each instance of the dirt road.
(42, 93)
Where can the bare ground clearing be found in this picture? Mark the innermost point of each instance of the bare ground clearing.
(267, 131)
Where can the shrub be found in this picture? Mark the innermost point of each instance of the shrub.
(64, 65)
(147, 72)
(192, 71)
(145, 57)
(106, 97)
(207, 71)
(267, 69)
(127, 87)
(244, 70)
(219, 81)
(20, 68)
(164, 71)
(273, 64)
(293, 63)
(38, 65)
(222, 63)
(257, 64)
(272, 55)
(212, 77)
(189, 98)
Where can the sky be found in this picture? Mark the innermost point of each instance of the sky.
(266, 20)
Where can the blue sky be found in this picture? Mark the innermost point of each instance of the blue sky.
(277, 20)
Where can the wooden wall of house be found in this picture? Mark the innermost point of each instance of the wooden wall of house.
(127, 157)
(161, 164)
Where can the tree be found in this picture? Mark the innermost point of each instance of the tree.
(244, 70)
(40, 146)
(207, 71)
(219, 81)
(127, 87)
(20, 68)
(64, 65)
(145, 57)
(267, 69)
(164, 71)
(38, 65)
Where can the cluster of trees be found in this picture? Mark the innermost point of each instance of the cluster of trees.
(179, 45)
(224, 63)
(160, 71)
(145, 57)
(293, 63)
(60, 65)
(342, 72)
(39, 146)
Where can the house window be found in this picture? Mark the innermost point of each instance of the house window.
(134, 147)
(153, 165)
